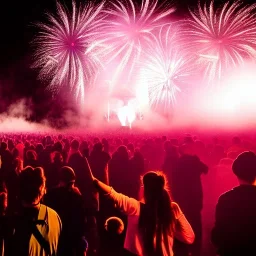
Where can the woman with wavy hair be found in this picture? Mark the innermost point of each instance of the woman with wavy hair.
(153, 222)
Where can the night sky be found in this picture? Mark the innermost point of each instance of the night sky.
(17, 79)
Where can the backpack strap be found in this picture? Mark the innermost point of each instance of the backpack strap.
(41, 240)
(42, 220)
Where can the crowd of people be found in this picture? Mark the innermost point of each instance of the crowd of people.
(127, 195)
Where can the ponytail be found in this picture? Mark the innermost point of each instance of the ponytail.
(156, 215)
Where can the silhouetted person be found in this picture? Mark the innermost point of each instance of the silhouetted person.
(119, 170)
(170, 160)
(52, 171)
(99, 162)
(105, 145)
(31, 157)
(84, 149)
(234, 232)
(3, 207)
(36, 229)
(81, 168)
(188, 192)
(114, 227)
(12, 184)
(236, 146)
(67, 201)
(79, 164)
(137, 169)
(6, 159)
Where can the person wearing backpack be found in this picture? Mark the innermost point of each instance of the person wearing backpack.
(36, 228)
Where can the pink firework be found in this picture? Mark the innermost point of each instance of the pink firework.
(129, 30)
(64, 48)
(167, 69)
(222, 38)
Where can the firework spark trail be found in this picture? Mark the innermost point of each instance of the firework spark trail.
(64, 51)
(222, 38)
(129, 30)
(166, 69)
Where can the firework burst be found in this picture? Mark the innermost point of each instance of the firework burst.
(166, 70)
(129, 30)
(64, 48)
(222, 38)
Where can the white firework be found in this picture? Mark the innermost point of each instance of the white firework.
(64, 48)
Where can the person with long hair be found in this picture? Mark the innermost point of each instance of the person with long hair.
(153, 222)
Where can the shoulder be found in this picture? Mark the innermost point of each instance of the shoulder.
(176, 210)
(52, 214)
(228, 194)
(227, 197)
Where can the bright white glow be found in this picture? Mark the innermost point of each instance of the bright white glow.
(126, 115)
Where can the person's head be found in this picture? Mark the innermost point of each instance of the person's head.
(56, 157)
(74, 145)
(98, 147)
(15, 153)
(157, 212)
(18, 164)
(123, 152)
(153, 184)
(137, 154)
(31, 155)
(84, 145)
(67, 177)
(4, 145)
(58, 146)
(244, 167)
(114, 225)
(32, 185)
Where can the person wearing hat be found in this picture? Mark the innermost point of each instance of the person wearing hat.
(67, 201)
(234, 232)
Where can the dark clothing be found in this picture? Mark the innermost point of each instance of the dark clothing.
(33, 163)
(22, 226)
(89, 193)
(7, 159)
(234, 232)
(137, 169)
(52, 174)
(187, 190)
(119, 167)
(188, 193)
(69, 204)
(78, 163)
(98, 162)
(113, 245)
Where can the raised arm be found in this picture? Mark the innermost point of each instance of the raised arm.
(129, 206)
